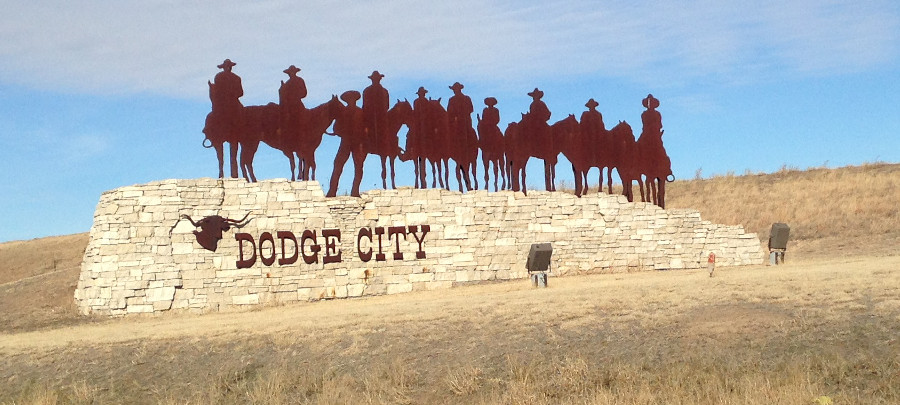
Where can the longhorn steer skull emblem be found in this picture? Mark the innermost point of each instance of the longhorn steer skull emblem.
(211, 229)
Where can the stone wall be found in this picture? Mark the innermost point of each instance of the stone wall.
(297, 245)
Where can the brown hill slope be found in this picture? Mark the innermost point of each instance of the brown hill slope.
(849, 210)
(37, 281)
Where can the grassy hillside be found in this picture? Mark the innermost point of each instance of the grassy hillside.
(855, 207)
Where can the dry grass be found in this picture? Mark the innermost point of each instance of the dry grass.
(823, 325)
(750, 335)
(850, 203)
(831, 212)
(37, 282)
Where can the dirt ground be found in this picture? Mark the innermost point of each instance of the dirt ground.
(825, 326)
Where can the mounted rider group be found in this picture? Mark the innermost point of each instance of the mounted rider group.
(435, 136)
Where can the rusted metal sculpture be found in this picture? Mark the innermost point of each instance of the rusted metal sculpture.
(375, 105)
(351, 127)
(628, 162)
(262, 125)
(225, 122)
(462, 138)
(538, 138)
(288, 126)
(435, 135)
(490, 139)
(292, 116)
(438, 131)
(417, 138)
(389, 148)
(211, 229)
(654, 161)
(582, 145)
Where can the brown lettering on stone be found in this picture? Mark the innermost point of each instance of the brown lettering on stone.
(314, 248)
(332, 252)
(364, 233)
(420, 254)
(285, 236)
(380, 257)
(397, 230)
(267, 237)
(241, 237)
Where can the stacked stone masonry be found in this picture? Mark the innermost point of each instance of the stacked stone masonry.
(144, 257)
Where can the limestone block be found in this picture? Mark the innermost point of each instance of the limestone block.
(399, 288)
(132, 309)
(160, 294)
(421, 277)
(356, 290)
(249, 299)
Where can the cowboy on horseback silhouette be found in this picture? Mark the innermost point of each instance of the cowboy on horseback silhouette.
(491, 140)
(228, 90)
(290, 96)
(537, 136)
(653, 158)
(225, 122)
(462, 136)
(418, 138)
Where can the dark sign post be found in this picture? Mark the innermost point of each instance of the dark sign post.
(778, 239)
(539, 263)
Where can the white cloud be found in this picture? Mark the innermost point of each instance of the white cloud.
(168, 47)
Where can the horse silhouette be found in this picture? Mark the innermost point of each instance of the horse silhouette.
(655, 163)
(388, 146)
(263, 124)
(628, 164)
(491, 142)
(224, 125)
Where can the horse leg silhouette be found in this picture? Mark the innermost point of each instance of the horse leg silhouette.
(290, 156)
(359, 158)
(661, 194)
(515, 170)
(485, 161)
(524, 186)
(393, 175)
(547, 185)
(609, 179)
(422, 170)
(576, 174)
(553, 175)
(248, 151)
(220, 155)
(384, 172)
(446, 173)
(233, 150)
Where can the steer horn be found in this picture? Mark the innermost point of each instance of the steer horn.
(188, 217)
(239, 223)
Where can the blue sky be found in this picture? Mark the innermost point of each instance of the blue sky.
(104, 94)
